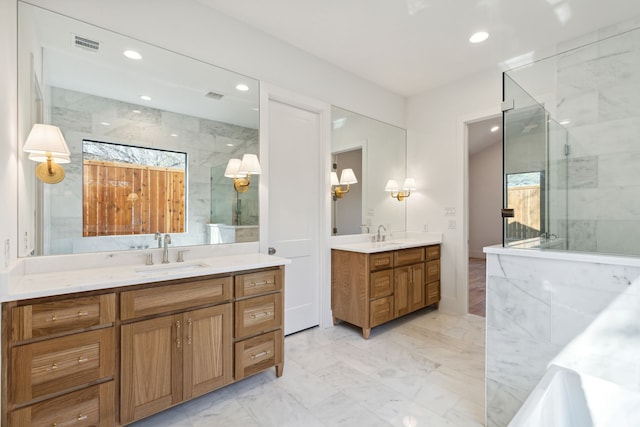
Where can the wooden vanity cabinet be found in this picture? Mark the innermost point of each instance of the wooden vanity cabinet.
(258, 332)
(168, 359)
(62, 364)
(59, 362)
(368, 290)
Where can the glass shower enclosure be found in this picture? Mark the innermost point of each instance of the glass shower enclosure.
(571, 127)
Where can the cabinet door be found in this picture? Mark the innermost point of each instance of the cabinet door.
(409, 289)
(151, 366)
(207, 349)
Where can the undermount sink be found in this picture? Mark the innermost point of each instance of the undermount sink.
(171, 268)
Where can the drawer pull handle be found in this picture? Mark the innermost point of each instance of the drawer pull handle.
(83, 359)
(81, 417)
(178, 342)
(54, 365)
(190, 323)
(54, 424)
(263, 314)
(83, 313)
(262, 353)
(53, 319)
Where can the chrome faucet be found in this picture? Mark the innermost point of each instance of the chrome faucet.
(158, 237)
(378, 239)
(367, 227)
(165, 254)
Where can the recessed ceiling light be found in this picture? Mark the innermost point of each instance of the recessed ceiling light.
(132, 54)
(255, 109)
(105, 123)
(242, 87)
(479, 37)
(136, 111)
(229, 145)
(174, 135)
(145, 97)
(495, 128)
(565, 122)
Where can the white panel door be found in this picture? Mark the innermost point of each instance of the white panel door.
(295, 208)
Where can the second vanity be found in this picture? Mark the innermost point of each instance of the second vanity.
(375, 282)
(110, 346)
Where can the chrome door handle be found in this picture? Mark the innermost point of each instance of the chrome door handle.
(271, 251)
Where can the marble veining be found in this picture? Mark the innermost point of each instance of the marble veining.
(426, 369)
(542, 304)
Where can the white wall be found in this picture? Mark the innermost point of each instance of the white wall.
(437, 157)
(485, 199)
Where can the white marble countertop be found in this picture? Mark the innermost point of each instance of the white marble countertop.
(43, 284)
(363, 242)
(544, 253)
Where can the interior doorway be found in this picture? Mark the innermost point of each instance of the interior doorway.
(484, 161)
(346, 212)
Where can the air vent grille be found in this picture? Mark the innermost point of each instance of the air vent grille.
(85, 43)
(214, 95)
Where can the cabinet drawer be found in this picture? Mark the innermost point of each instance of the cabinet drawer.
(433, 252)
(380, 284)
(46, 367)
(380, 311)
(258, 283)
(408, 256)
(163, 299)
(257, 315)
(433, 270)
(258, 353)
(380, 261)
(57, 317)
(93, 406)
(433, 293)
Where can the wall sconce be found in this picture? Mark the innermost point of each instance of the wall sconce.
(392, 187)
(45, 144)
(347, 177)
(241, 171)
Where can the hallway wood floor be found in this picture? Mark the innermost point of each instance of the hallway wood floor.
(477, 286)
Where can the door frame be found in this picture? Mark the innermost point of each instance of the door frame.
(462, 264)
(268, 93)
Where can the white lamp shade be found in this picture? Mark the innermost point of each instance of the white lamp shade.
(250, 164)
(232, 170)
(348, 177)
(334, 179)
(392, 185)
(42, 157)
(46, 139)
(409, 184)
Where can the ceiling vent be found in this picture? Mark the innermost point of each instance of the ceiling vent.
(86, 44)
(214, 95)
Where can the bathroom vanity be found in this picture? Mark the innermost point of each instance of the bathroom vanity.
(111, 355)
(375, 282)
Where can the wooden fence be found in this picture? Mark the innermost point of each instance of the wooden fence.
(525, 201)
(122, 198)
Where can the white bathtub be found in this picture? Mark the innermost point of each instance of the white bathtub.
(566, 398)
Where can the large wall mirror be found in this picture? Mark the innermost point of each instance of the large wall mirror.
(376, 152)
(147, 110)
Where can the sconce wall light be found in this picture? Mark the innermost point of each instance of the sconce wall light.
(392, 187)
(347, 177)
(241, 171)
(46, 145)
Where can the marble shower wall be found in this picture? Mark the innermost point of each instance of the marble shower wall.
(208, 144)
(536, 305)
(598, 90)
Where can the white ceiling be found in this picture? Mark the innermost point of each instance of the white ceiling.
(410, 46)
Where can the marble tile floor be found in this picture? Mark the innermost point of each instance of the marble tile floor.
(424, 370)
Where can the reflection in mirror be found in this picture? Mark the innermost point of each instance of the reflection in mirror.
(132, 190)
(376, 152)
(76, 76)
